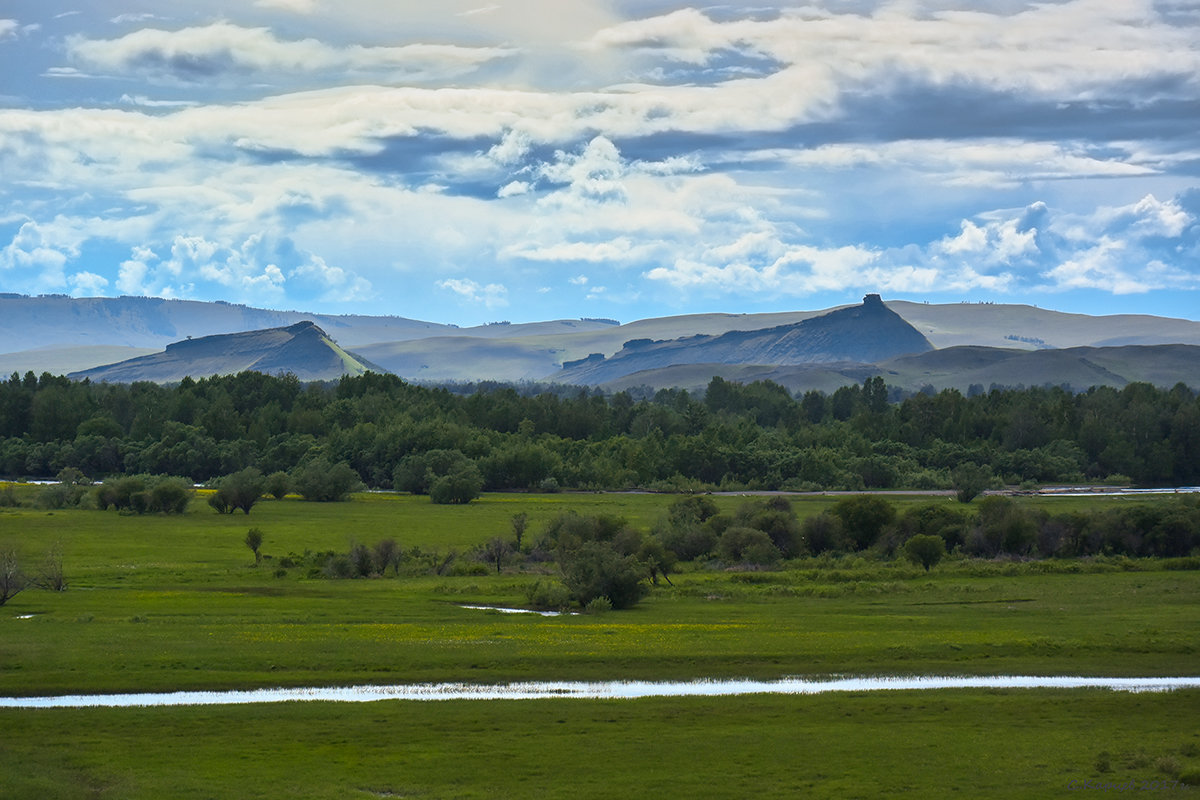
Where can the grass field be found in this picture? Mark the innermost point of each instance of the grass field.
(162, 603)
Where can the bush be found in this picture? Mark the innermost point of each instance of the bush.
(320, 481)
(240, 490)
(458, 488)
(548, 596)
(925, 549)
(278, 484)
(863, 518)
(597, 570)
(739, 545)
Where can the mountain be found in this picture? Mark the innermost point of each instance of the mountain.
(302, 349)
(866, 333)
(953, 368)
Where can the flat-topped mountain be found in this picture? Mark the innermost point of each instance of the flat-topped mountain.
(302, 349)
(866, 333)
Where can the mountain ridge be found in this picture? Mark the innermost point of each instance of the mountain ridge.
(302, 349)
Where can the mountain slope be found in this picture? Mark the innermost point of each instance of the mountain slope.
(866, 333)
(302, 349)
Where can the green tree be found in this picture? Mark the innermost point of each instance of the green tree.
(458, 487)
(864, 517)
(496, 551)
(520, 522)
(254, 540)
(969, 481)
(595, 569)
(240, 490)
(925, 549)
(323, 482)
(278, 484)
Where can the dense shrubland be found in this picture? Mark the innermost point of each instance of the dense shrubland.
(582, 558)
(389, 433)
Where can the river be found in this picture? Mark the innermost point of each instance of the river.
(600, 690)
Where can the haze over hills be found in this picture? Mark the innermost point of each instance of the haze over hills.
(867, 333)
(61, 334)
(302, 349)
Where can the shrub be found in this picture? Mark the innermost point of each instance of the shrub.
(597, 570)
(740, 545)
(321, 481)
(863, 518)
(925, 549)
(457, 488)
(548, 595)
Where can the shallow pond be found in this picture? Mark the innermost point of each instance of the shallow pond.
(603, 690)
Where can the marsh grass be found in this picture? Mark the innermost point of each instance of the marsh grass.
(171, 603)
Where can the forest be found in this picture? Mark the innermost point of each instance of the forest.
(394, 434)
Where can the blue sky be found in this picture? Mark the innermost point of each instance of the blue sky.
(468, 161)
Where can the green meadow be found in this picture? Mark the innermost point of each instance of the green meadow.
(177, 602)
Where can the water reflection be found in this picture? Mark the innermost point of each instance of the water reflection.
(602, 690)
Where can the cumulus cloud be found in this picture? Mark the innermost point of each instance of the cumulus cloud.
(493, 295)
(224, 50)
(8, 29)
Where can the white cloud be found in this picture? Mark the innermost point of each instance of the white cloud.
(493, 295)
(8, 29)
(514, 188)
(222, 49)
(88, 284)
(294, 6)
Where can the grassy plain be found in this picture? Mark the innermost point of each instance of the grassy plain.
(157, 603)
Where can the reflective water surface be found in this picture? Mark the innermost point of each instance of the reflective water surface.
(604, 690)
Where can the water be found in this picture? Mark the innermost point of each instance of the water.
(601, 690)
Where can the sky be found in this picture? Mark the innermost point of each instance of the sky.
(470, 161)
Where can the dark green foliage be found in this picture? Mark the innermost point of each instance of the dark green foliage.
(755, 436)
(925, 550)
(823, 533)
(278, 484)
(241, 490)
(944, 520)
(460, 486)
(969, 481)
(548, 595)
(322, 481)
(596, 569)
(741, 545)
(142, 494)
(1002, 527)
(863, 518)
(254, 540)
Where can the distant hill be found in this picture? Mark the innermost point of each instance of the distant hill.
(1077, 368)
(61, 334)
(866, 333)
(302, 349)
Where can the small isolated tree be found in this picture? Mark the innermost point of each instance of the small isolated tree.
(969, 481)
(459, 487)
(254, 540)
(240, 490)
(519, 523)
(12, 579)
(925, 549)
(597, 570)
(278, 485)
(324, 482)
(388, 554)
(863, 518)
(51, 574)
(497, 551)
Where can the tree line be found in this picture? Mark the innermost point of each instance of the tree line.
(392, 434)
